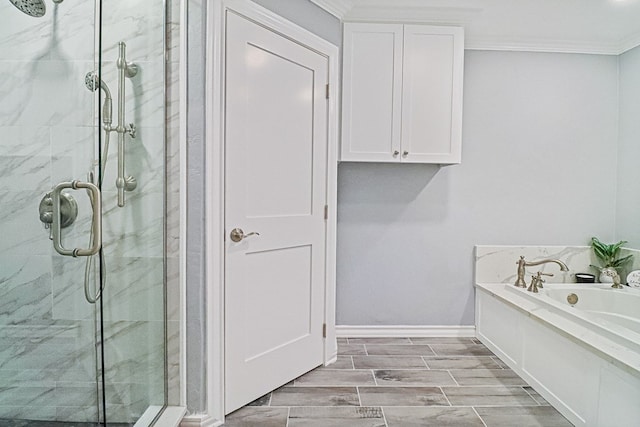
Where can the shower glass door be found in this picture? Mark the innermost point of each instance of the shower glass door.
(48, 330)
(133, 65)
(82, 339)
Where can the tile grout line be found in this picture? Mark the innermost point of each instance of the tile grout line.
(453, 378)
(288, 415)
(425, 362)
(445, 396)
(384, 417)
(530, 395)
(481, 419)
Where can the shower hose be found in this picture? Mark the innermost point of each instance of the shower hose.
(92, 297)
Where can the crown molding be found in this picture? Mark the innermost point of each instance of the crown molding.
(338, 8)
(533, 44)
(426, 15)
(629, 43)
(468, 13)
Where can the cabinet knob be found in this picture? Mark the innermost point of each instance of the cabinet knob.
(395, 153)
(405, 153)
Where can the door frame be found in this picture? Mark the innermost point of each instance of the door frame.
(214, 183)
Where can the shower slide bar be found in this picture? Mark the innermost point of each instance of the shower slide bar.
(125, 69)
(93, 82)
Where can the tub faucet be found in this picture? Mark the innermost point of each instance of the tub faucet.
(522, 264)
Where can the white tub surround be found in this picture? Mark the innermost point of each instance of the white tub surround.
(584, 361)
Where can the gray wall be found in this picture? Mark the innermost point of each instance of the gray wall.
(538, 167)
(628, 211)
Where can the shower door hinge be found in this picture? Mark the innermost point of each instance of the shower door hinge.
(324, 330)
(327, 91)
(326, 212)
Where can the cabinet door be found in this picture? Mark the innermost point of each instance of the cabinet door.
(372, 85)
(432, 94)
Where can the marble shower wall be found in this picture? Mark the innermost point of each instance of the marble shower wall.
(47, 135)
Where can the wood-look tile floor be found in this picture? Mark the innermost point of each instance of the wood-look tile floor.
(404, 382)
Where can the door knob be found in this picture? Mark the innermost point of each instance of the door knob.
(237, 234)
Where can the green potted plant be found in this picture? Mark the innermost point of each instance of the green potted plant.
(608, 256)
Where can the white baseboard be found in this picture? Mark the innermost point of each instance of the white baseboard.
(199, 421)
(402, 331)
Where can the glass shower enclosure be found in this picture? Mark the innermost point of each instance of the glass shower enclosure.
(82, 212)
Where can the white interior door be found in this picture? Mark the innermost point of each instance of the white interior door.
(275, 185)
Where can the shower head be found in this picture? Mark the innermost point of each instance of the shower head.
(35, 8)
(93, 82)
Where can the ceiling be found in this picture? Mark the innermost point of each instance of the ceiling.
(581, 26)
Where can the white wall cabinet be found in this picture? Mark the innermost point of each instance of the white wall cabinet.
(402, 93)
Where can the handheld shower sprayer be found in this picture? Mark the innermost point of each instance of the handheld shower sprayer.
(93, 82)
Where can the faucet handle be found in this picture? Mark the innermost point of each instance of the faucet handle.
(540, 279)
(537, 281)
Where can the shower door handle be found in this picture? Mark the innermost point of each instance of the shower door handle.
(96, 220)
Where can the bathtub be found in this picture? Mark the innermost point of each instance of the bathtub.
(583, 358)
(611, 308)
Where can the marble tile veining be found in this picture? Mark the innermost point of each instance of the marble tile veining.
(497, 264)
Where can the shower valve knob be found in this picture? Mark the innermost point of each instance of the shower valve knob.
(68, 210)
(131, 130)
(130, 183)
